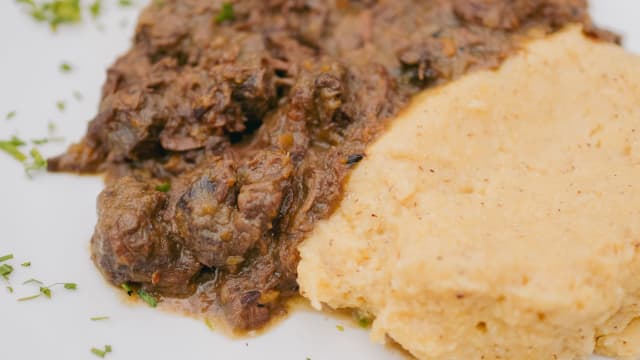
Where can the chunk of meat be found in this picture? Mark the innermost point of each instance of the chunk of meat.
(131, 242)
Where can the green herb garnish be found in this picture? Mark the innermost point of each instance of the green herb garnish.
(26, 264)
(6, 270)
(45, 291)
(101, 353)
(43, 141)
(127, 288)
(340, 327)
(12, 146)
(164, 187)
(55, 12)
(209, 324)
(95, 8)
(99, 318)
(65, 67)
(11, 115)
(148, 298)
(29, 297)
(10, 289)
(6, 257)
(61, 105)
(71, 286)
(226, 13)
(32, 281)
(38, 162)
(125, 3)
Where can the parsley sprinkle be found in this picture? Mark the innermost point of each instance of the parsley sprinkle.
(164, 187)
(101, 353)
(38, 162)
(6, 270)
(99, 318)
(32, 281)
(95, 8)
(127, 288)
(340, 327)
(125, 3)
(26, 264)
(11, 147)
(148, 298)
(71, 286)
(226, 13)
(209, 324)
(46, 292)
(11, 115)
(61, 105)
(29, 298)
(10, 289)
(51, 127)
(65, 67)
(6, 257)
(47, 140)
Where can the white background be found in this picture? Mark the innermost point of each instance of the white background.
(50, 219)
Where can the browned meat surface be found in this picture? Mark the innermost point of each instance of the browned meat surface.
(255, 121)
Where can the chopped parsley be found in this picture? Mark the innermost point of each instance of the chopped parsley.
(99, 318)
(340, 327)
(164, 187)
(95, 8)
(38, 162)
(32, 281)
(6, 257)
(10, 289)
(12, 146)
(148, 298)
(5, 271)
(51, 127)
(45, 291)
(226, 13)
(26, 264)
(71, 286)
(65, 67)
(47, 140)
(55, 12)
(125, 3)
(101, 353)
(29, 297)
(127, 288)
(209, 324)
(61, 105)
(11, 115)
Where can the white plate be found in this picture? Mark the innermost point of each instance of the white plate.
(49, 220)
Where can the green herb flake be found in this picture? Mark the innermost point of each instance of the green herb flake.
(99, 318)
(226, 13)
(127, 288)
(65, 67)
(148, 298)
(6, 270)
(55, 12)
(11, 115)
(125, 3)
(71, 286)
(26, 264)
(340, 328)
(363, 319)
(164, 187)
(29, 297)
(12, 147)
(32, 281)
(101, 353)
(51, 127)
(43, 141)
(10, 289)
(61, 105)
(38, 162)
(95, 8)
(6, 257)
(209, 324)
(45, 291)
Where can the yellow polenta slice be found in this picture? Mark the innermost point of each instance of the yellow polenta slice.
(499, 216)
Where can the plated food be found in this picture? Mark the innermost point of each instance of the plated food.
(229, 131)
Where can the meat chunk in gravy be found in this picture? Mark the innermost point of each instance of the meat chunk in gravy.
(256, 122)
